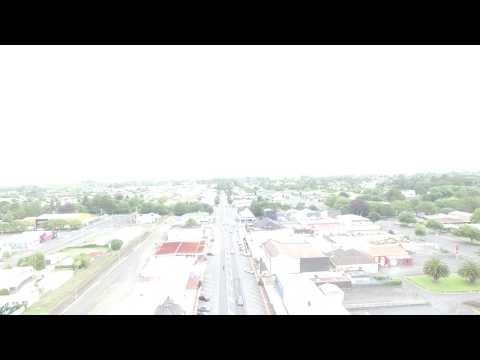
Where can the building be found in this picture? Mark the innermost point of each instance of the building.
(169, 307)
(357, 224)
(353, 260)
(301, 296)
(409, 194)
(452, 218)
(147, 218)
(247, 217)
(293, 258)
(390, 255)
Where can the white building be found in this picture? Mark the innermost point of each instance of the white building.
(147, 218)
(409, 194)
(302, 297)
(292, 258)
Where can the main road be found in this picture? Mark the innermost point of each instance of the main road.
(120, 290)
(232, 289)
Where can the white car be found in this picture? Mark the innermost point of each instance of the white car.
(249, 271)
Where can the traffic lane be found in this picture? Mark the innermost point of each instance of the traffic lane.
(254, 304)
(123, 273)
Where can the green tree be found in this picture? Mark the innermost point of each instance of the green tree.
(36, 260)
(426, 207)
(436, 269)
(81, 261)
(420, 230)
(374, 216)
(400, 205)
(191, 223)
(116, 244)
(394, 194)
(330, 201)
(342, 204)
(359, 207)
(434, 224)
(407, 218)
(476, 216)
(468, 232)
(469, 271)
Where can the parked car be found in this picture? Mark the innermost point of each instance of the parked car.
(209, 254)
(203, 309)
(249, 271)
(203, 298)
(239, 301)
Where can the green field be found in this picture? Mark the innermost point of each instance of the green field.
(452, 284)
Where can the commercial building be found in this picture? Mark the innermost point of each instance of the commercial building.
(390, 255)
(280, 257)
(301, 296)
(353, 260)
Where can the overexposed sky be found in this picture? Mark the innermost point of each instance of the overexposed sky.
(72, 113)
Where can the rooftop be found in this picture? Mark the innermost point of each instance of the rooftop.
(180, 248)
(387, 250)
(350, 257)
(296, 250)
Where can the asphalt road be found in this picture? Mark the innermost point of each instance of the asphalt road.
(225, 279)
(119, 290)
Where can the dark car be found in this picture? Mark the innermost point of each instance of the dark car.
(209, 254)
(203, 298)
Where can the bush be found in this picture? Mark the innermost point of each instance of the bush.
(6, 255)
(4, 292)
(116, 244)
(81, 261)
(420, 230)
(394, 282)
(37, 261)
(407, 217)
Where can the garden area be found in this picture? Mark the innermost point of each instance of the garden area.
(451, 284)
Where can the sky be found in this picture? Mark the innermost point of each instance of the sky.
(117, 113)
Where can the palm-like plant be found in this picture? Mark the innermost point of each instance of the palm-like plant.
(470, 271)
(436, 269)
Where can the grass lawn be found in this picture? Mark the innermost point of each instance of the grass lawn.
(452, 284)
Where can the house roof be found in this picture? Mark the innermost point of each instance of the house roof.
(387, 250)
(246, 213)
(267, 224)
(169, 308)
(350, 257)
(296, 250)
(180, 248)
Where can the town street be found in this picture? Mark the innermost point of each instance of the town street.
(120, 290)
(225, 280)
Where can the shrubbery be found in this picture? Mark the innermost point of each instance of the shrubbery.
(116, 244)
(37, 261)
